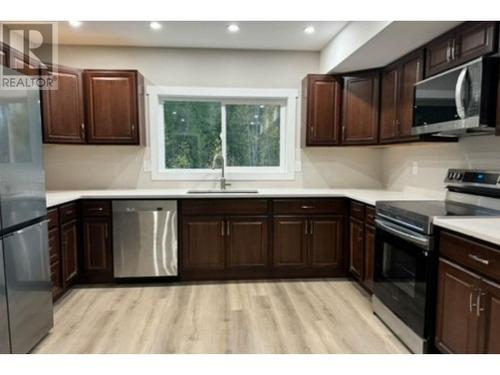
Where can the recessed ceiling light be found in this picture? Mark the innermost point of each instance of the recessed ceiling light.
(309, 30)
(75, 23)
(155, 25)
(233, 28)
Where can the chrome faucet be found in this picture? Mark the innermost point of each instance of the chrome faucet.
(219, 159)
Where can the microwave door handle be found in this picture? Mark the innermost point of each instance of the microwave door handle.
(459, 93)
(414, 239)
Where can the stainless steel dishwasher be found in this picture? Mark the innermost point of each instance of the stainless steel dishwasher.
(144, 238)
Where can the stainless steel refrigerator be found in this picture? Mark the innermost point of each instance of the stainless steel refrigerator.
(26, 311)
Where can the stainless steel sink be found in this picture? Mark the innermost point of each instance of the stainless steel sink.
(219, 191)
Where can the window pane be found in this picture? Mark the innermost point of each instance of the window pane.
(192, 133)
(253, 135)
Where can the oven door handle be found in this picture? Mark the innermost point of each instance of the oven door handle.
(420, 241)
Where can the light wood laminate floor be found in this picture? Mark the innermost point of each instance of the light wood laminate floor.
(299, 316)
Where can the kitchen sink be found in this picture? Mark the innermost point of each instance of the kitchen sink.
(219, 191)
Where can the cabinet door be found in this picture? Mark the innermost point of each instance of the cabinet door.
(112, 107)
(290, 247)
(203, 243)
(55, 262)
(438, 56)
(474, 39)
(369, 257)
(456, 321)
(63, 108)
(247, 242)
(325, 247)
(489, 310)
(360, 109)
(411, 72)
(69, 252)
(97, 252)
(357, 248)
(323, 110)
(389, 104)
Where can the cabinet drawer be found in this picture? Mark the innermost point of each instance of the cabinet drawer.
(225, 207)
(370, 215)
(54, 245)
(309, 206)
(96, 208)
(68, 212)
(358, 210)
(477, 256)
(53, 218)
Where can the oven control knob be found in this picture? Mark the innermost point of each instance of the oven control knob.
(450, 175)
(459, 176)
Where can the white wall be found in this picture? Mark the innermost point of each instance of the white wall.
(433, 160)
(93, 167)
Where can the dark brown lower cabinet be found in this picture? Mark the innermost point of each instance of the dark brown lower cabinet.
(308, 246)
(221, 247)
(247, 242)
(290, 242)
(468, 311)
(357, 248)
(55, 262)
(203, 243)
(369, 257)
(69, 252)
(97, 251)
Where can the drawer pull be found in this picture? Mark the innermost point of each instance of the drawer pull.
(69, 212)
(305, 207)
(99, 209)
(479, 259)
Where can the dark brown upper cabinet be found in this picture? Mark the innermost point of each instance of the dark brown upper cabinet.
(321, 106)
(462, 44)
(396, 103)
(113, 103)
(62, 108)
(360, 122)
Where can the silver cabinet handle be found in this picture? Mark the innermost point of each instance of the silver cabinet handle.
(306, 207)
(227, 227)
(479, 259)
(471, 304)
(479, 309)
(311, 230)
(307, 227)
(222, 226)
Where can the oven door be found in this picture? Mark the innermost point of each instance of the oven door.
(402, 268)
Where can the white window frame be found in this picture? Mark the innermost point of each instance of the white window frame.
(287, 98)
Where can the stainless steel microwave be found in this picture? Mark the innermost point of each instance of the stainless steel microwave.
(460, 101)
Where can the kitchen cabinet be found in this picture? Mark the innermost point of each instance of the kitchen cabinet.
(326, 241)
(203, 243)
(55, 254)
(321, 107)
(357, 248)
(247, 242)
(457, 325)
(468, 304)
(362, 243)
(69, 251)
(114, 101)
(290, 242)
(62, 109)
(360, 108)
(397, 87)
(464, 43)
(97, 252)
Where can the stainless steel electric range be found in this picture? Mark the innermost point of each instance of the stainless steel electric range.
(406, 252)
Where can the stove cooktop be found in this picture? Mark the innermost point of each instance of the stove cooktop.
(418, 215)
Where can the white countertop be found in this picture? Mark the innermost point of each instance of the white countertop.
(55, 198)
(483, 228)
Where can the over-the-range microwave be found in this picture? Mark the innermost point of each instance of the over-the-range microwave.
(460, 101)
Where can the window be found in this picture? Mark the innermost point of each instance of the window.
(253, 129)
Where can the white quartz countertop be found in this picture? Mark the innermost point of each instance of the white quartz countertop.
(55, 198)
(483, 228)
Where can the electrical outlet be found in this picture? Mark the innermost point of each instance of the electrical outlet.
(414, 168)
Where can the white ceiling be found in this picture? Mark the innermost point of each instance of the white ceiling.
(266, 35)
